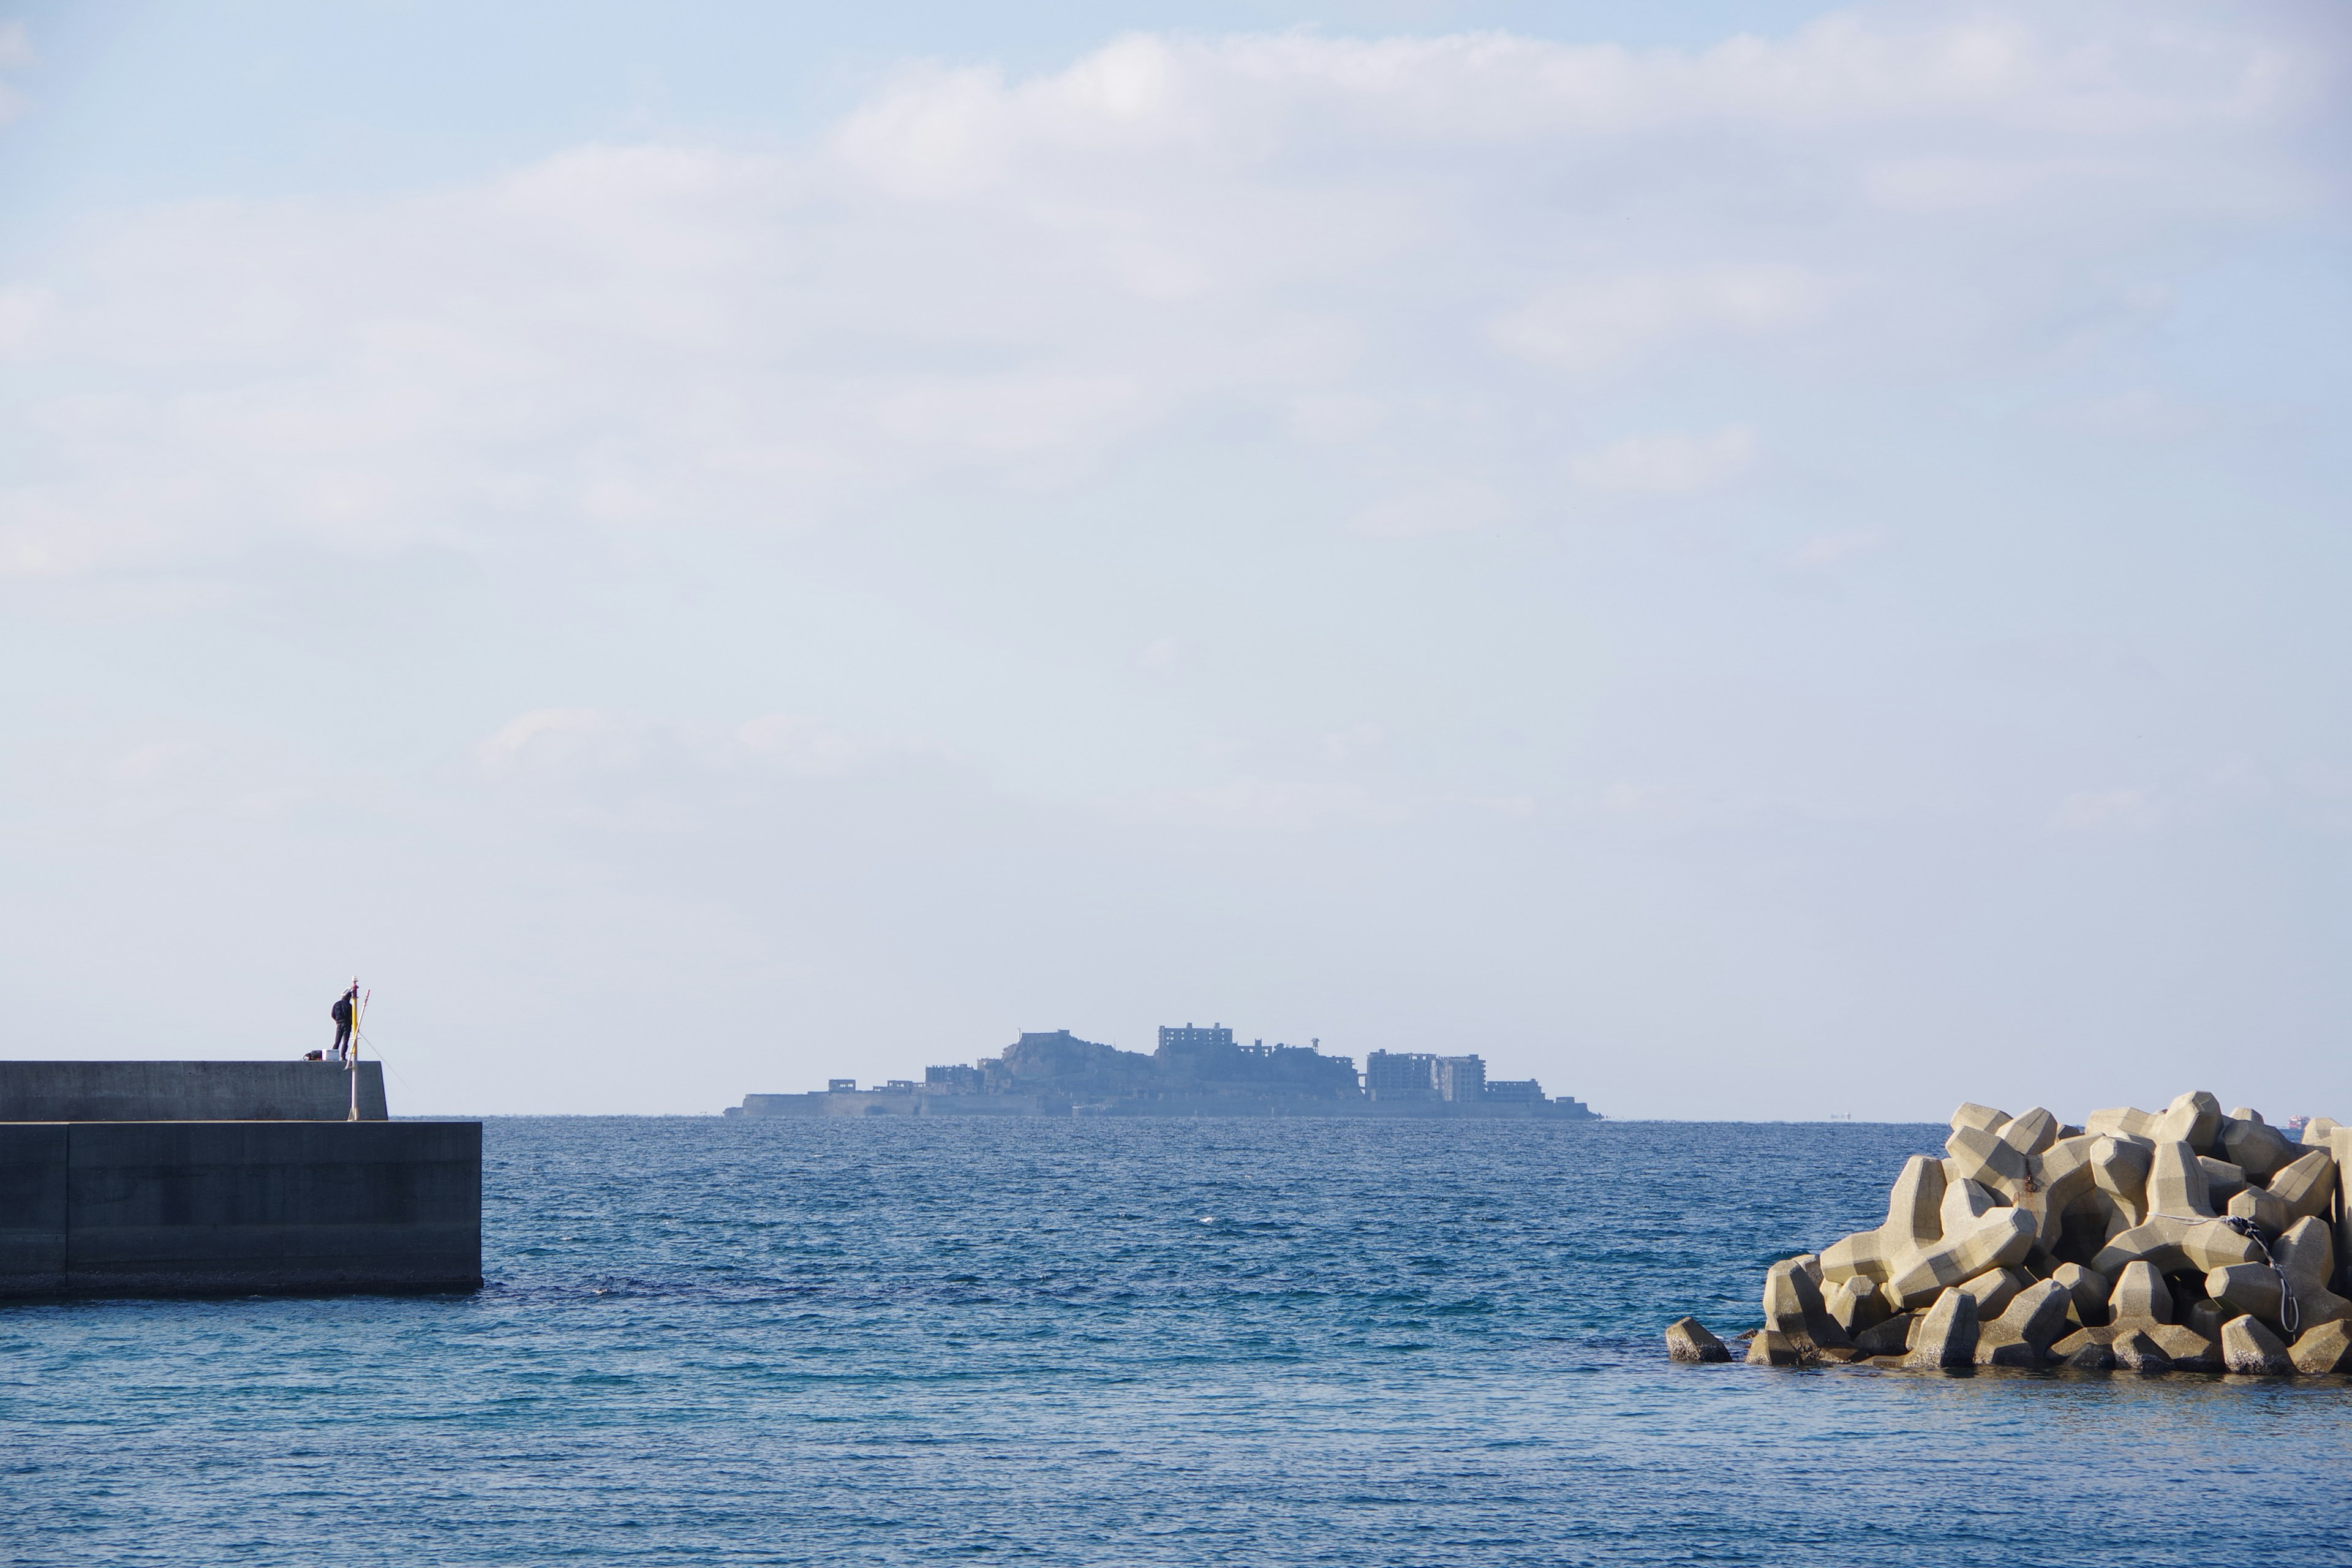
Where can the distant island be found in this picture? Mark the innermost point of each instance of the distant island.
(1195, 1072)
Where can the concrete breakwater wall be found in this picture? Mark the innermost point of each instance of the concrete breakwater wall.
(221, 1190)
(2190, 1238)
(187, 1092)
(141, 1209)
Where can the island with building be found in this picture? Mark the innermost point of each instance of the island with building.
(1195, 1071)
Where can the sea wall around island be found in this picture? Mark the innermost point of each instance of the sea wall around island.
(921, 1102)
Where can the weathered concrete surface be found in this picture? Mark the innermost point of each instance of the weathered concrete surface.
(2339, 1145)
(2140, 1292)
(2122, 1118)
(2119, 1167)
(2030, 1134)
(1855, 1304)
(1793, 1305)
(2194, 1119)
(2178, 1246)
(1988, 1160)
(2188, 1350)
(2060, 1185)
(1994, 1289)
(1913, 1223)
(2223, 1181)
(1984, 1118)
(1965, 1202)
(2091, 1358)
(2323, 1349)
(132, 1208)
(2089, 1290)
(1687, 1340)
(35, 1190)
(1770, 1347)
(2176, 1184)
(2248, 1287)
(2026, 1329)
(1891, 1337)
(2267, 1211)
(2306, 1259)
(2206, 1317)
(1995, 1238)
(2135, 1351)
(2249, 1349)
(2039, 1312)
(2253, 1146)
(1947, 1336)
(187, 1092)
(1997, 1344)
(2306, 1185)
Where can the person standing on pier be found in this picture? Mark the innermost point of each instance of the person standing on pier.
(345, 1012)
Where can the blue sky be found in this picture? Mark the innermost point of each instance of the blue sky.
(1743, 560)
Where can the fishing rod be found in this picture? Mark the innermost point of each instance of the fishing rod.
(357, 1014)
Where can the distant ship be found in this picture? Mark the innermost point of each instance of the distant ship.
(1195, 1072)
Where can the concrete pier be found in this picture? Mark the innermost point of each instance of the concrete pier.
(187, 1092)
(171, 1204)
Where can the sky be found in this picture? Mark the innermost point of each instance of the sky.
(1743, 560)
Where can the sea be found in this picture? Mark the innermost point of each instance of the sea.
(1275, 1342)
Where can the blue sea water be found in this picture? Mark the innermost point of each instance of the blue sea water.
(1131, 1342)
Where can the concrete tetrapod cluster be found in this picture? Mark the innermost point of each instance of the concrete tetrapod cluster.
(2187, 1238)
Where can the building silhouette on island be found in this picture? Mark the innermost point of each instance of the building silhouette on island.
(1195, 1071)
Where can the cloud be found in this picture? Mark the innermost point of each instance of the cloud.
(1666, 465)
(975, 284)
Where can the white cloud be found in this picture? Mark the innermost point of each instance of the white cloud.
(977, 283)
(1667, 464)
